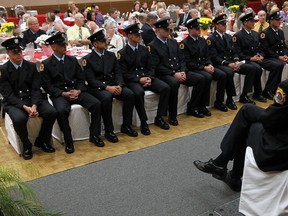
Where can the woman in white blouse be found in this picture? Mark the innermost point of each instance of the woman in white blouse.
(114, 41)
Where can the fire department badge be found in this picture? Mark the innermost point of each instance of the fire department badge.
(41, 67)
(280, 96)
(234, 38)
(181, 45)
(118, 56)
(262, 35)
(84, 62)
(208, 42)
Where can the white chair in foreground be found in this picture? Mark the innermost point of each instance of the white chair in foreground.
(33, 127)
(263, 193)
(79, 121)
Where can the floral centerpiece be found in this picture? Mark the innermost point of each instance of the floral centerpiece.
(234, 8)
(205, 23)
(135, 15)
(7, 28)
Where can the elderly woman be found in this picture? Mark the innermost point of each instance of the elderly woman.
(114, 40)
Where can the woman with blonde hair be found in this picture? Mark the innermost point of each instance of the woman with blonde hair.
(52, 26)
(284, 11)
(206, 10)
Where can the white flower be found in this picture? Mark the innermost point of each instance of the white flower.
(41, 39)
(135, 14)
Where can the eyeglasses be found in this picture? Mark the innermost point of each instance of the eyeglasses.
(34, 23)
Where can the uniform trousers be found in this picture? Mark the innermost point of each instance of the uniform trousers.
(63, 107)
(220, 77)
(230, 87)
(106, 99)
(275, 67)
(235, 141)
(156, 86)
(20, 118)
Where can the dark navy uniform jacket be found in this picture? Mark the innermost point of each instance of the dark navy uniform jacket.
(272, 44)
(56, 80)
(22, 86)
(99, 76)
(167, 59)
(134, 70)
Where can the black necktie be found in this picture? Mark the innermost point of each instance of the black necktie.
(276, 32)
(261, 28)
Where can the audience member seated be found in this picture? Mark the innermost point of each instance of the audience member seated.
(23, 26)
(194, 13)
(20, 86)
(78, 35)
(52, 26)
(91, 17)
(263, 5)
(206, 10)
(2, 17)
(33, 32)
(162, 13)
(142, 19)
(144, 8)
(148, 33)
(59, 20)
(261, 24)
(114, 41)
(72, 10)
(99, 17)
(284, 12)
(184, 17)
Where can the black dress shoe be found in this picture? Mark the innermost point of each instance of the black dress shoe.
(129, 131)
(97, 141)
(45, 147)
(234, 183)
(111, 137)
(205, 111)
(69, 148)
(195, 112)
(259, 98)
(144, 129)
(231, 105)
(220, 106)
(173, 121)
(158, 121)
(245, 99)
(209, 167)
(27, 154)
(268, 94)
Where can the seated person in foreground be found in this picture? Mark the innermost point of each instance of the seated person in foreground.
(64, 80)
(105, 82)
(264, 130)
(20, 86)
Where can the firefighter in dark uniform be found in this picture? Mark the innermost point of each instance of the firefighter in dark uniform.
(64, 81)
(105, 82)
(273, 44)
(223, 57)
(134, 60)
(198, 60)
(20, 85)
(246, 45)
(170, 66)
(264, 130)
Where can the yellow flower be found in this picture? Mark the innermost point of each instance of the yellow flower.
(234, 8)
(205, 22)
(7, 27)
(89, 8)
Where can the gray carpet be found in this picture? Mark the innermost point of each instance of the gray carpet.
(159, 180)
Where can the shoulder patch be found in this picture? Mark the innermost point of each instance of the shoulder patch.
(208, 42)
(234, 38)
(280, 96)
(149, 49)
(84, 62)
(262, 35)
(41, 68)
(118, 56)
(182, 45)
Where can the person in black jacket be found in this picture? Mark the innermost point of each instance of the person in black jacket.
(134, 60)
(264, 130)
(105, 82)
(32, 33)
(64, 81)
(169, 64)
(148, 33)
(20, 86)
(275, 53)
(197, 59)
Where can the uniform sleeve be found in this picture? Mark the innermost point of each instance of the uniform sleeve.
(239, 55)
(36, 96)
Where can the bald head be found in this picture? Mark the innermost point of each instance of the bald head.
(79, 19)
(262, 16)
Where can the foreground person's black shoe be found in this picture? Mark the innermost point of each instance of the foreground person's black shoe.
(173, 121)
(205, 111)
(220, 106)
(158, 121)
(245, 99)
(129, 131)
(111, 137)
(195, 113)
(27, 154)
(144, 128)
(209, 167)
(231, 105)
(268, 94)
(259, 98)
(234, 183)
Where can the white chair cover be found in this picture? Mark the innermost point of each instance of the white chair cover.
(263, 193)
